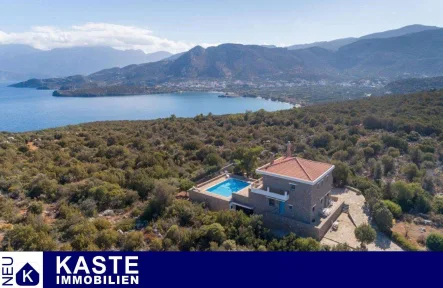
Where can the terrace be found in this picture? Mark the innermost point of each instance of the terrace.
(258, 188)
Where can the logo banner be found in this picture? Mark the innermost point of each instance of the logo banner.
(219, 269)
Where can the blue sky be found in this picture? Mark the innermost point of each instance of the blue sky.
(176, 25)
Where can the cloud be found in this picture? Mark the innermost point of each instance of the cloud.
(96, 34)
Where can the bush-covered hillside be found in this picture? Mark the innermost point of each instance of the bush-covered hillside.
(113, 185)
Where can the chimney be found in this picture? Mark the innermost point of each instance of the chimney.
(272, 158)
(288, 149)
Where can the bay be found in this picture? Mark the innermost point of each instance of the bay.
(23, 109)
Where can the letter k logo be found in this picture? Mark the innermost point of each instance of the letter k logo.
(27, 276)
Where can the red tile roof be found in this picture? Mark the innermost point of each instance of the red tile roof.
(296, 167)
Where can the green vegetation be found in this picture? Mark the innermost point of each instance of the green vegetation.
(365, 234)
(394, 208)
(113, 185)
(404, 243)
(434, 242)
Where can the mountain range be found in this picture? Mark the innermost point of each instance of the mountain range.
(336, 44)
(416, 54)
(20, 62)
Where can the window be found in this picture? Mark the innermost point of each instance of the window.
(292, 187)
(290, 207)
(313, 208)
(321, 200)
(271, 202)
(313, 220)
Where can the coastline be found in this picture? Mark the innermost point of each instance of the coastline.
(56, 93)
(124, 91)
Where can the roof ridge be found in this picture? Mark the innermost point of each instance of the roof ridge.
(284, 160)
(303, 168)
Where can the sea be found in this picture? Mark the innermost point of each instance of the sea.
(26, 109)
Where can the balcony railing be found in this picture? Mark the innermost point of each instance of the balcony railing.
(267, 193)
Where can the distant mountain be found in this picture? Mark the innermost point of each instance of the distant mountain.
(412, 85)
(330, 45)
(22, 59)
(400, 31)
(174, 57)
(412, 55)
(336, 44)
(13, 50)
(226, 61)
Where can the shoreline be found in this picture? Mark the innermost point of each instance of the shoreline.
(292, 103)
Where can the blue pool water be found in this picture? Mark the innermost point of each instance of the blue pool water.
(227, 187)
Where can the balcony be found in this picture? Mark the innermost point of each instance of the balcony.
(257, 188)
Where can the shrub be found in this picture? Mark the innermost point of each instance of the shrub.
(293, 243)
(106, 239)
(42, 186)
(340, 173)
(163, 197)
(82, 242)
(27, 238)
(133, 241)
(411, 171)
(404, 243)
(156, 245)
(365, 234)
(437, 204)
(142, 183)
(102, 223)
(8, 210)
(36, 208)
(394, 208)
(211, 233)
(388, 164)
(125, 224)
(383, 217)
(434, 242)
(393, 152)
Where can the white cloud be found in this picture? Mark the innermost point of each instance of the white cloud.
(95, 34)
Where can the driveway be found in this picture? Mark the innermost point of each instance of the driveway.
(358, 214)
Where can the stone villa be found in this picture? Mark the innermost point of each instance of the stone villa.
(293, 195)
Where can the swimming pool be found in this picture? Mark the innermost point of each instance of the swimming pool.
(227, 187)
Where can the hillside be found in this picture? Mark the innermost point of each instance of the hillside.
(332, 45)
(410, 55)
(74, 188)
(400, 31)
(338, 43)
(415, 85)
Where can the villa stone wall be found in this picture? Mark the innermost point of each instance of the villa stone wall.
(324, 227)
(212, 201)
(280, 222)
(318, 196)
(300, 199)
(242, 199)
